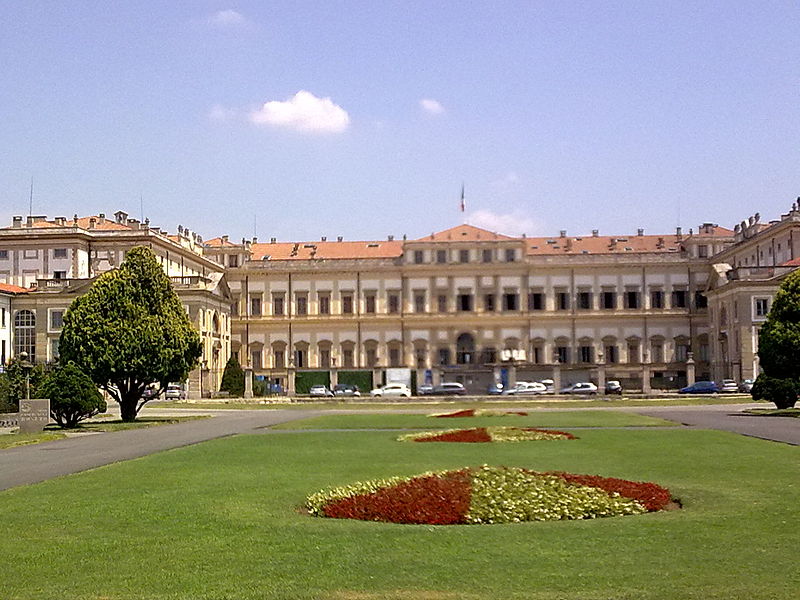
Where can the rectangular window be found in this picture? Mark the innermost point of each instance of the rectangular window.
(657, 351)
(324, 304)
(301, 304)
(444, 356)
(612, 354)
(394, 303)
(464, 302)
(441, 256)
(420, 358)
(488, 302)
(441, 302)
(536, 301)
(369, 303)
(633, 353)
(608, 300)
(511, 301)
(255, 306)
(56, 319)
(30, 254)
(394, 357)
(233, 260)
(277, 304)
(704, 352)
(419, 257)
(463, 256)
(511, 255)
(419, 302)
(324, 359)
(700, 300)
(562, 301)
(347, 358)
(486, 255)
(761, 307)
(702, 251)
(562, 352)
(59, 253)
(59, 275)
(255, 359)
(586, 354)
(280, 359)
(300, 359)
(3, 254)
(679, 298)
(372, 357)
(538, 355)
(347, 304)
(681, 352)
(656, 299)
(584, 300)
(54, 349)
(632, 299)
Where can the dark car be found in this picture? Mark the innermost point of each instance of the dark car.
(449, 389)
(701, 387)
(494, 389)
(346, 389)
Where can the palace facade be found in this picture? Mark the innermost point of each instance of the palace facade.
(464, 304)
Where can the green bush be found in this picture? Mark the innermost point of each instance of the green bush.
(305, 379)
(15, 384)
(73, 396)
(6, 404)
(362, 379)
(233, 378)
(782, 392)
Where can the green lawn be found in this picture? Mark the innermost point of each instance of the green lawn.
(220, 521)
(575, 418)
(12, 440)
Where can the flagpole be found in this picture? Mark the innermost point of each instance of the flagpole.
(463, 204)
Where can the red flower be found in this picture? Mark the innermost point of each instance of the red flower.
(478, 434)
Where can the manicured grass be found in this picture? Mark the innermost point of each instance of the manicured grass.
(585, 418)
(220, 520)
(118, 425)
(12, 440)
(774, 412)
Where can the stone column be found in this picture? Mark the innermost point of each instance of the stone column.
(601, 374)
(248, 382)
(512, 375)
(291, 389)
(376, 378)
(690, 368)
(556, 377)
(646, 389)
(334, 377)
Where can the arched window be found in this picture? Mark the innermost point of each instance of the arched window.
(465, 349)
(25, 334)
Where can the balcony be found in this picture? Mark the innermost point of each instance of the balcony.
(189, 281)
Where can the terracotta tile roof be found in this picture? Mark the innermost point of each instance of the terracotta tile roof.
(605, 244)
(464, 233)
(219, 242)
(713, 231)
(13, 289)
(42, 224)
(101, 224)
(795, 262)
(326, 250)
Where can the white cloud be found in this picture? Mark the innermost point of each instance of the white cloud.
(513, 223)
(431, 106)
(227, 18)
(303, 112)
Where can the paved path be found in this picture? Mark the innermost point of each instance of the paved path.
(730, 418)
(39, 462)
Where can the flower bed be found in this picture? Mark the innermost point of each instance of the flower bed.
(471, 412)
(488, 495)
(488, 434)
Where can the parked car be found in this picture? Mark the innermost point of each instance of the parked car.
(494, 389)
(729, 386)
(700, 387)
(746, 386)
(583, 387)
(149, 393)
(549, 385)
(346, 389)
(424, 390)
(392, 389)
(527, 388)
(320, 390)
(449, 389)
(613, 387)
(175, 391)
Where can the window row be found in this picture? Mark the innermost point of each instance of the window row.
(30, 253)
(464, 255)
(421, 302)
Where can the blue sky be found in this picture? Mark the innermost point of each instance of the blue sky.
(362, 119)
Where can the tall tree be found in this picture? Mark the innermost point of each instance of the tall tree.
(779, 347)
(233, 378)
(130, 331)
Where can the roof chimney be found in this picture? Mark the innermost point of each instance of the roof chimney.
(563, 233)
(121, 216)
(339, 238)
(272, 240)
(595, 232)
(678, 233)
(640, 232)
(255, 240)
(224, 238)
(92, 222)
(17, 222)
(61, 221)
(391, 238)
(324, 239)
(102, 217)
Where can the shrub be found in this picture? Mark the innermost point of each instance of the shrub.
(782, 392)
(233, 378)
(73, 396)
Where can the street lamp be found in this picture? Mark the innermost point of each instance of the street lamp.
(26, 368)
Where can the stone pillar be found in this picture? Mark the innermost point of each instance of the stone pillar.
(512, 375)
(690, 374)
(248, 382)
(334, 377)
(376, 378)
(646, 389)
(601, 375)
(205, 383)
(290, 382)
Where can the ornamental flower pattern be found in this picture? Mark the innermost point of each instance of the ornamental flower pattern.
(488, 434)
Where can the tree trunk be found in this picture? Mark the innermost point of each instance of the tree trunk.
(127, 408)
